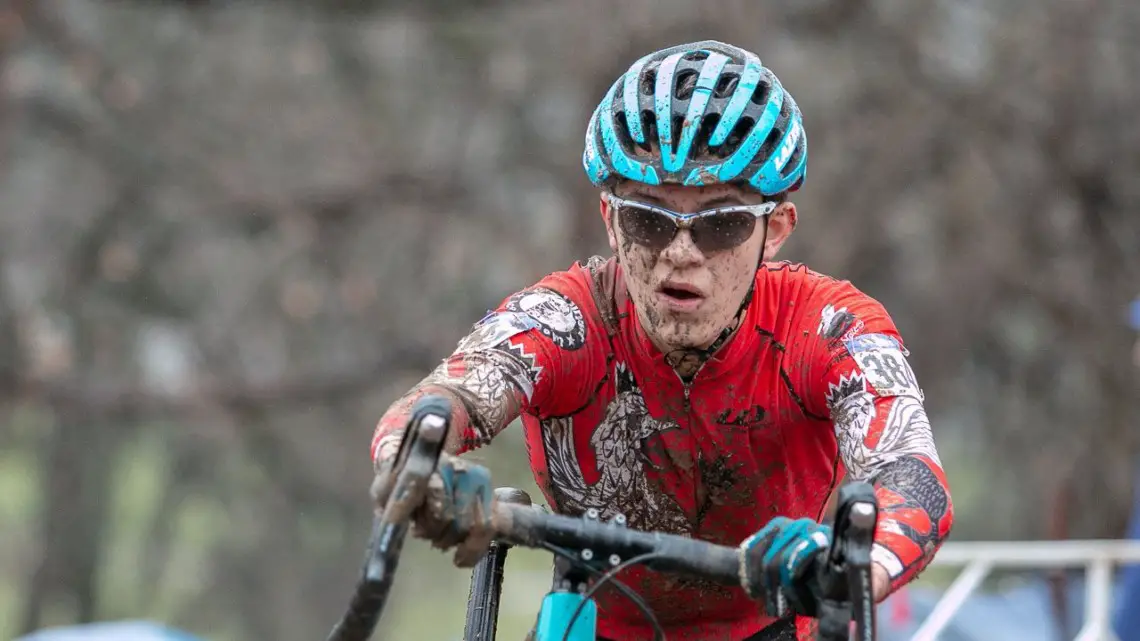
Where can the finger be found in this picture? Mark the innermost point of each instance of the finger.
(472, 484)
(775, 603)
(478, 540)
(786, 536)
(433, 517)
(791, 565)
(471, 489)
(427, 525)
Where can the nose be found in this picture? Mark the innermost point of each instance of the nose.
(682, 251)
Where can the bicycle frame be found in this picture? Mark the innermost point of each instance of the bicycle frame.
(554, 618)
(486, 589)
(558, 606)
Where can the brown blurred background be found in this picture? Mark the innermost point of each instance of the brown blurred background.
(232, 232)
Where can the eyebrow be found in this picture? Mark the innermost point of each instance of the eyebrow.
(719, 201)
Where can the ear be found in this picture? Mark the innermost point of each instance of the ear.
(607, 217)
(781, 224)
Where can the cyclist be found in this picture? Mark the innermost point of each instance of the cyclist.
(690, 382)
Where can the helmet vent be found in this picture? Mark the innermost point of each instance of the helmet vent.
(701, 145)
(649, 128)
(623, 128)
(793, 162)
(686, 82)
(743, 126)
(649, 82)
(771, 141)
(763, 88)
(726, 85)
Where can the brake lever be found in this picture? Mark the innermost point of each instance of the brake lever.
(845, 574)
(415, 462)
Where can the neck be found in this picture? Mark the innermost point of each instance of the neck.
(687, 360)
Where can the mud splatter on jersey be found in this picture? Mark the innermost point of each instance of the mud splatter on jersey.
(814, 384)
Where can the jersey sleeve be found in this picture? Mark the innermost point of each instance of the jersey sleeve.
(536, 353)
(860, 377)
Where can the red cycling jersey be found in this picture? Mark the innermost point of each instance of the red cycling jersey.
(813, 384)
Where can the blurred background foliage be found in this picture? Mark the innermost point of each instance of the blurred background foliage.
(231, 233)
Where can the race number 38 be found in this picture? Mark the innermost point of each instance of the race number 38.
(884, 365)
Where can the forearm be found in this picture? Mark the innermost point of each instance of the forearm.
(888, 440)
(391, 427)
(486, 396)
(916, 514)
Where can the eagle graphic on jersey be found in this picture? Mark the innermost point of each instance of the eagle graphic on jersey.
(619, 445)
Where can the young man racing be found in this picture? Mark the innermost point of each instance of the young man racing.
(688, 382)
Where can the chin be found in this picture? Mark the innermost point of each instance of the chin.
(686, 336)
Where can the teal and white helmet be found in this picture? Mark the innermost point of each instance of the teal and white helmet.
(704, 113)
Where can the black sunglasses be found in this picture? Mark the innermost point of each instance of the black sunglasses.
(712, 230)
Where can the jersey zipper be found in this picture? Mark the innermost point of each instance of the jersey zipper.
(686, 388)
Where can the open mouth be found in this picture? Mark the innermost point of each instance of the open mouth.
(680, 291)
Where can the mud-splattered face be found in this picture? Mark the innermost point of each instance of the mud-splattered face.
(684, 297)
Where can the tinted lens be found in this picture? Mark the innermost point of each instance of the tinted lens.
(646, 227)
(722, 231)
